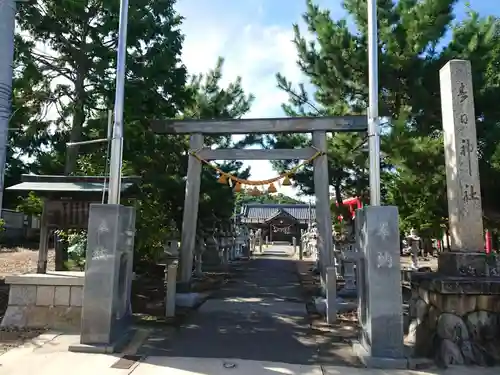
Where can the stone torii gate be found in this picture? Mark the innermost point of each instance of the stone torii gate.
(318, 126)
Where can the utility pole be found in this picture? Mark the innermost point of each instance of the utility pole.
(115, 170)
(7, 22)
(373, 120)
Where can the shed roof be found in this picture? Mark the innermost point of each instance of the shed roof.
(69, 184)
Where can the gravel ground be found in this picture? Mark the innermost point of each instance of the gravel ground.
(431, 262)
(13, 338)
(19, 260)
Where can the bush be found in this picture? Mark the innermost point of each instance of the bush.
(77, 245)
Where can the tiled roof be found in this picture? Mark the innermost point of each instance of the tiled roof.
(260, 212)
(280, 213)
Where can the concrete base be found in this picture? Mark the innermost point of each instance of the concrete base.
(377, 362)
(111, 348)
(469, 264)
(341, 305)
(455, 320)
(52, 300)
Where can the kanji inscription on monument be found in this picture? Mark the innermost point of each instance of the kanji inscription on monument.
(462, 168)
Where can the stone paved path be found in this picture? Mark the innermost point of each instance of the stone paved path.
(258, 316)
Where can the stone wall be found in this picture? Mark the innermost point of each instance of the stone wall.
(455, 320)
(52, 301)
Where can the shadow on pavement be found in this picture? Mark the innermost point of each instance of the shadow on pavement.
(172, 365)
(260, 316)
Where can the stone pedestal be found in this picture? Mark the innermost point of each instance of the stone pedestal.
(212, 255)
(52, 300)
(241, 242)
(349, 289)
(455, 320)
(331, 295)
(337, 263)
(108, 278)
(198, 257)
(473, 264)
(349, 257)
(232, 247)
(171, 286)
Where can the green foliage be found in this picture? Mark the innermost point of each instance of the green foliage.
(213, 101)
(244, 197)
(417, 184)
(163, 168)
(79, 82)
(339, 210)
(77, 245)
(30, 205)
(63, 92)
(412, 50)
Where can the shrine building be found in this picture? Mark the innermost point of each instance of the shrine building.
(279, 222)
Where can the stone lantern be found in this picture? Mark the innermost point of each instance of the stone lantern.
(200, 248)
(211, 255)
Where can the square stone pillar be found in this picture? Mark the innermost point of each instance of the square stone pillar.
(454, 312)
(108, 278)
(462, 175)
(380, 300)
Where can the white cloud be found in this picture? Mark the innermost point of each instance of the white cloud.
(254, 52)
(253, 49)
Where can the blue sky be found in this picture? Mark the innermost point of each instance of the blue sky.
(254, 37)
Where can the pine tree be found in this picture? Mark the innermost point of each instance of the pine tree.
(412, 49)
(66, 60)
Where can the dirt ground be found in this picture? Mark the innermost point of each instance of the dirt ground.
(20, 260)
(147, 298)
(334, 340)
(431, 262)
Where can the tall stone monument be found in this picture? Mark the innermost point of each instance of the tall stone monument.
(462, 173)
(454, 312)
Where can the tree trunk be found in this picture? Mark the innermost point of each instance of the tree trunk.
(77, 125)
(427, 246)
(338, 193)
(61, 248)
